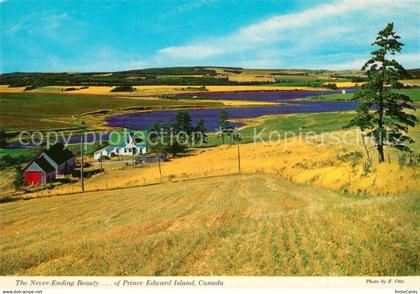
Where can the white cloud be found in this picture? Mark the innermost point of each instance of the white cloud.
(340, 24)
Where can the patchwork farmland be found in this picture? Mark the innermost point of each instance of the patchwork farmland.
(301, 208)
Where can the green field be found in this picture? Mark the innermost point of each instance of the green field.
(302, 123)
(292, 123)
(231, 225)
(15, 152)
(414, 94)
(47, 111)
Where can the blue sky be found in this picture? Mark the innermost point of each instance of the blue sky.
(102, 35)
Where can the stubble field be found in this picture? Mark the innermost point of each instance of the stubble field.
(231, 225)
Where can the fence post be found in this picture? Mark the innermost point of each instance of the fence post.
(160, 169)
(239, 159)
(81, 164)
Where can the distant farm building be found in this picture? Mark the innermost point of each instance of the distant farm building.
(50, 165)
(124, 143)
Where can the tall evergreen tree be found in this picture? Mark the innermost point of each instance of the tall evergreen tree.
(224, 126)
(170, 141)
(382, 112)
(3, 138)
(182, 126)
(183, 122)
(200, 132)
(155, 133)
(223, 119)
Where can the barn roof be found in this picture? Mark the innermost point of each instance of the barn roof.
(58, 153)
(44, 164)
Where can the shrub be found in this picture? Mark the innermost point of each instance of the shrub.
(27, 88)
(4, 199)
(366, 168)
(3, 138)
(354, 157)
(331, 86)
(70, 89)
(7, 160)
(19, 180)
(123, 89)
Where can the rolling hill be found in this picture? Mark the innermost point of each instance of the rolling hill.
(230, 225)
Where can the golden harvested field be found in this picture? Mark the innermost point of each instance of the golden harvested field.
(259, 88)
(412, 83)
(347, 84)
(150, 90)
(231, 225)
(6, 89)
(330, 166)
(247, 75)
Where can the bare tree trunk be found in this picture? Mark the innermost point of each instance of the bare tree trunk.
(381, 157)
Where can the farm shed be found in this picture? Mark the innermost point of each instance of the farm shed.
(39, 172)
(62, 159)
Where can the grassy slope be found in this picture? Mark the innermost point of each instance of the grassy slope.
(235, 225)
(292, 123)
(40, 111)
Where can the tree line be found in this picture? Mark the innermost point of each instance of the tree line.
(175, 137)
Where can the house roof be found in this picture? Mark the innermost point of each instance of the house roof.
(58, 153)
(44, 164)
(107, 148)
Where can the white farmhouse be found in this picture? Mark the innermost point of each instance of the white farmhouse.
(124, 143)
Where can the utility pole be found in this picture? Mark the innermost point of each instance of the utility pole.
(81, 164)
(100, 161)
(160, 169)
(239, 159)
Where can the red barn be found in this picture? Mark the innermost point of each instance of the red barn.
(39, 172)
